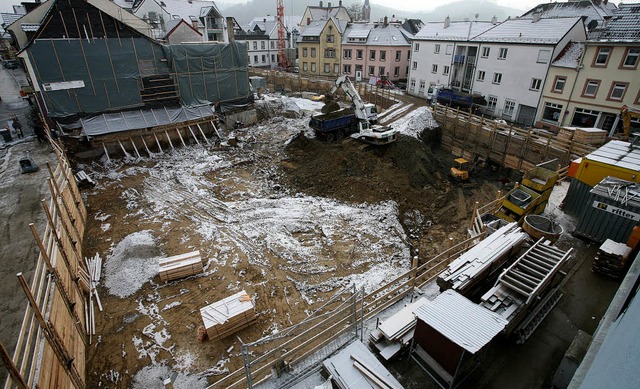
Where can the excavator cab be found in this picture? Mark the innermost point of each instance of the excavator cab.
(460, 170)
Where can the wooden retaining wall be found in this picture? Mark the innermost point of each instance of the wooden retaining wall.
(51, 345)
(469, 135)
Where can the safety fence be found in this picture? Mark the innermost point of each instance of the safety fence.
(51, 344)
(325, 331)
(469, 135)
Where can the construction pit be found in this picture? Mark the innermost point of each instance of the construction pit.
(280, 214)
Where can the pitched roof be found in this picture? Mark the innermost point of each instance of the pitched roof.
(454, 31)
(625, 24)
(8, 18)
(182, 8)
(290, 22)
(376, 34)
(570, 56)
(590, 9)
(319, 13)
(173, 25)
(460, 320)
(525, 30)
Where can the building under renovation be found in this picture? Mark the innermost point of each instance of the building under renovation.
(97, 71)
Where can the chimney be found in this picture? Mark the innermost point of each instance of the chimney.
(264, 20)
(385, 22)
(597, 2)
(536, 17)
(494, 20)
(194, 24)
(230, 32)
(320, 3)
(447, 21)
(340, 3)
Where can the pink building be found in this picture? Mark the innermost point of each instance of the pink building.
(376, 49)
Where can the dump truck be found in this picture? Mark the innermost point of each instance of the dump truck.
(454, 98)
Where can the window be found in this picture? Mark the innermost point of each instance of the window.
(358, 54)
(590, 88)
(618, 89)
(535, 85)
(329, 53)
(434, 68)
(304, 52)
(372, 70)
(602, 56)
(481, 75)
(412, 84)
(630, 59)
(503, 53)
(347, 69)
(409, 54)
(544, 56)
(396, 71)
(558, 84)
(398, 55)
(551, 112)
(262, 45)
(347, 54)
(414, 65)
(313, 52)
(497, 78)
(336, 68)
(449, 50)
(381, 71)
(313, 67)
(436, 49)
(584, 117)
(273, 44)
(383, 55)
(421, 90)
(327, 68)
(509, 108)
(359, 69)
(485, 52)
(273, 58)
(264, 58)
(331, 38)
(255, 45)
(491, 103)
(416, 47)
(446, 70)
(305, 66)
(372, 55)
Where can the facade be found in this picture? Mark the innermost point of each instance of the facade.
(262, 43)
(376, 49)
(203, 15)
(507, 63)
(181, 32)
(319, 47)
(590, 81)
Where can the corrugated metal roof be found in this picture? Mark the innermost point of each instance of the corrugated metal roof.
(455, 30)
(617, 153)
(460, 320)
(549, 31)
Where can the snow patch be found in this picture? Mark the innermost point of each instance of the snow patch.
(152, 377)
(415, 122)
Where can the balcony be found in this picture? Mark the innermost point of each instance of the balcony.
(458, 58)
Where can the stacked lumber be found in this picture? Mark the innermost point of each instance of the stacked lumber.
(396, 332)
(611, 259)
(180, 266)
(586, 135)
(228, 316)
(94, 269)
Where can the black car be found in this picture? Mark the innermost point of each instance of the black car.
(10, 64)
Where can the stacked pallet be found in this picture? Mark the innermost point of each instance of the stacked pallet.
(228, 316)
(396, 332)
(611, 259)
(586, 135)
(180, 266)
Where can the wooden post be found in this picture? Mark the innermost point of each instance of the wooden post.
(202, 133)
(52, 337)
(145, 145)
(169, 139)
(193, 135)
(16, 377)
(414, 270)
(134, 147)
(56, 192)
(106, 152)
(180, 135)
(60, 285)
(54, 232)
(158, 142)
(473, 215)
(75, 241)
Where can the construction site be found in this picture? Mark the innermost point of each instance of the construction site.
(201, 225)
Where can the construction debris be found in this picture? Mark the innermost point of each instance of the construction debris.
(180, 266)
(94, 268)
(228, 315)
(396, 332)
(611, 259)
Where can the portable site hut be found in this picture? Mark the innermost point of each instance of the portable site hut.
(611, 211)
(450, 330)
(616, 159)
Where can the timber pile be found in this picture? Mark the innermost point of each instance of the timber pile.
(180, 266)
(397, 331)
(611, 259)
(94, 268)
(229, 315)
(590, 136)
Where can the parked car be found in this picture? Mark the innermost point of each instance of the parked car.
(10, 64)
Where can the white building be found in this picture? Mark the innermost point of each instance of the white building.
(262, 43)
(507, 63)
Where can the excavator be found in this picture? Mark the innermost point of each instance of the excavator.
(627, 113)
(359, 121)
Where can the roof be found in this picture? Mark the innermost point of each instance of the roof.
(290, 22)
(525, 30)
(8, 18)
(460, 320)
(319, 13)
(413, 25)
(182, 8)
(570, 56)
(589, 9)
(617, 153)
(625, 24)
(173, 25)
(376, 34)
(455, 30)
(126, 4)
(316, 27)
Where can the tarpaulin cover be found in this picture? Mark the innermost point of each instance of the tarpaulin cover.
(111, 70)
(135, 120)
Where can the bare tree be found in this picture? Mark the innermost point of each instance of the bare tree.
(355, 11)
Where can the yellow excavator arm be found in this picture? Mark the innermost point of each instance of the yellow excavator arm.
(627, 113)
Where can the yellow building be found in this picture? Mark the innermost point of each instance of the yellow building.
(319, 47)
(590, 81)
